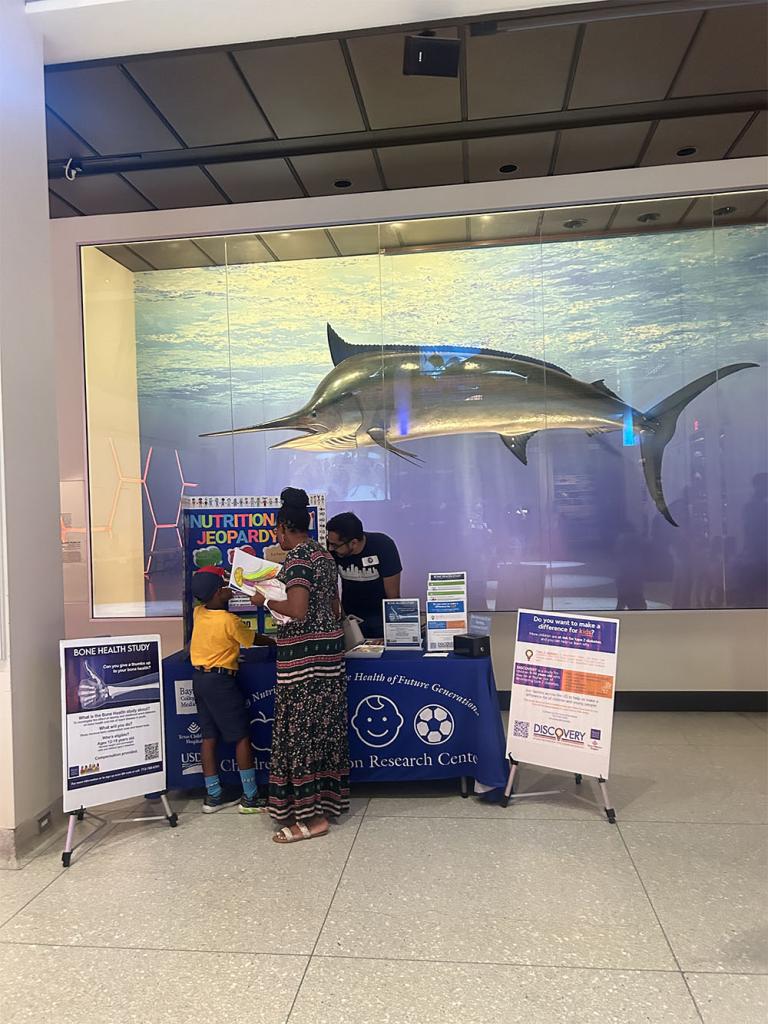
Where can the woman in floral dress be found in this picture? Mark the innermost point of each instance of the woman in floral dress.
(309, 769)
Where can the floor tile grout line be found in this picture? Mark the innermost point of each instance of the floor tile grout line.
(596, 820)
(661, 926)
(327, 913)
(385, 959)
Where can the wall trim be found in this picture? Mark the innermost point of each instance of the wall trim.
(680, 700)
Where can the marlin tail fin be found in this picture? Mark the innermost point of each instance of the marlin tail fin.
(661, 428)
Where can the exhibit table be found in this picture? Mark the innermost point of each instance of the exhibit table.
(411, 717)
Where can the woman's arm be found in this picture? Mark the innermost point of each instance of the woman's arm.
(295, 606)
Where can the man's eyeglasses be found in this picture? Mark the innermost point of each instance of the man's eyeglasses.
(339, 546)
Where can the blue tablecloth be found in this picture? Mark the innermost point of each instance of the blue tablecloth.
(411, 717)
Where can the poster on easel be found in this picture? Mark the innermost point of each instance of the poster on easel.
(112, 719)
(563, 688)
(218, 529)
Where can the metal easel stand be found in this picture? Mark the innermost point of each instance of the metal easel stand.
(81, 814)
(509, 791)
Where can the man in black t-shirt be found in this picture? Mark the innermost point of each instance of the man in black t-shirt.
(369, 566)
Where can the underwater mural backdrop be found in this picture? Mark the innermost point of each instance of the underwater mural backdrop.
(503, 411)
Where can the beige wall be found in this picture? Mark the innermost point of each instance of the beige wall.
(114, 449)
(30, 759)
(671, 651)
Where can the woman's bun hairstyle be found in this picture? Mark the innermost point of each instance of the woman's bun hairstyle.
(295, 497)
(294, 514)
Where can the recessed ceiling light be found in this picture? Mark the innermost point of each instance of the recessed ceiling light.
(342, 183)
(648, 218)
(573, 224)
(687, 151)
(507, 168)
(725, 211)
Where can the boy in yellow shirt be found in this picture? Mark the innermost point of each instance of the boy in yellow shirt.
(217, 636)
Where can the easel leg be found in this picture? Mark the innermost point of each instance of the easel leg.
(610, 812)
(66, 856)
(510, 786)
(172, 816)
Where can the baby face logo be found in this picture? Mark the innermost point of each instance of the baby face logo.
(377, 721)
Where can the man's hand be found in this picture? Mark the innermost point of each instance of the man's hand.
(258, 599)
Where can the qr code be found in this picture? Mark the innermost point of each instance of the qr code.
(521, 730)
(151, 751)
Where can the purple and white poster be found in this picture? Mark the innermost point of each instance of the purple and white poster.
(563, 687)
(112, 719)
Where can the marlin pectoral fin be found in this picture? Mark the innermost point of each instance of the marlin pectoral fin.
(517, 444)
(379, 437)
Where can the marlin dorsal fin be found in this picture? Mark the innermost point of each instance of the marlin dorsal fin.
(517, 444)
(602, 386)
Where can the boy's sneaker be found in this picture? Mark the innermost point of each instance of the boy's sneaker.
(228, 798)
(252, 805)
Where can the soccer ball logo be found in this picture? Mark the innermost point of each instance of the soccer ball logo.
(434, 724)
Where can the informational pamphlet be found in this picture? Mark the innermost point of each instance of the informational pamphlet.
(112, 719)
(561, 709)
(249, 571)
(446, 609)
(402, 624)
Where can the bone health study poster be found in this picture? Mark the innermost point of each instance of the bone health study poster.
(112, 719)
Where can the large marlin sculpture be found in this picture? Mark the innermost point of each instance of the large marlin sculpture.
(381, 395)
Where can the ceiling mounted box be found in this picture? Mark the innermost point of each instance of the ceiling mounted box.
(428, 55)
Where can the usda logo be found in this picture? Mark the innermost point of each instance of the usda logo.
(434, 724)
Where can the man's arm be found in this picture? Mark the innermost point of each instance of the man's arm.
(392, 586)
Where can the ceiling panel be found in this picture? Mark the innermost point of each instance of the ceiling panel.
(58, 208)
(319, 172)
(730, 53)
(173, 255)
(600, 149)
(124, 255)
(520, 72)
(434, 232)
(647, 50)
(255, 181)
(103, 193)
(580, 219)
(439, 163)
(300, 245)
(754, 142)
(392, 98)
(649, 216)
(358, 240)
(63, 143)
(531, 154)
(303, 89)
(722, 210)
(711, 137)
(235, 250)
(176, 188)
(487, 227)
(102, 105)
(203, 97)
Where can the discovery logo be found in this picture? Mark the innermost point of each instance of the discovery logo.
(572, 737)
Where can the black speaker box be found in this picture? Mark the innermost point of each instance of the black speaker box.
(428, 55)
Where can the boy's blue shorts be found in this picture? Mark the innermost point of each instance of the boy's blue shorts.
(221, 707)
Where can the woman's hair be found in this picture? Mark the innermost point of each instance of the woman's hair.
(347, 526)
(294, 513)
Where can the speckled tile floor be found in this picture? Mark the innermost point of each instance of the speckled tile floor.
(423, 908)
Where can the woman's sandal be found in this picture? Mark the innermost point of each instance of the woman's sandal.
(285, 836)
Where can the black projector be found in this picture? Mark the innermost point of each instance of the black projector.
(428, 55)
(471, 646)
